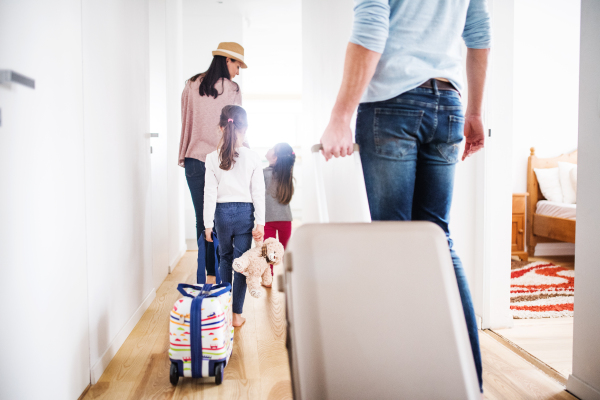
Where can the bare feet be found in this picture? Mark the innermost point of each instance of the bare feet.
(211, 279)
(238, 320)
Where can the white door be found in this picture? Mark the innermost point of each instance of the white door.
(158, 125)
(44, 334)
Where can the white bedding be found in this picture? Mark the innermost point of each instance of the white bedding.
(555, 209)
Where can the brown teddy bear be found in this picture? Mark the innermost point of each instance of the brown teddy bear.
(255, 264)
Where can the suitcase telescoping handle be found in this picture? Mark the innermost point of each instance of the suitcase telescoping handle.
(321, 197)
(225, 287)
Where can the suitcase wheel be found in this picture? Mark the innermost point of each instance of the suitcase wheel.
(219, 373)
(174, 375)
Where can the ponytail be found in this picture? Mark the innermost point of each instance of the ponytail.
(283, 173)
(232, 118)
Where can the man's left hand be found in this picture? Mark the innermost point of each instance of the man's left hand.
(474, 135)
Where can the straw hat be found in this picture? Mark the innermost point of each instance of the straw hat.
(231, 50)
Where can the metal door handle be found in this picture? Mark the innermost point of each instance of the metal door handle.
(154, 135)
(6, 75)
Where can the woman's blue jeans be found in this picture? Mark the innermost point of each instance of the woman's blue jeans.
(409, 146)
(234, 223)
(194, 174)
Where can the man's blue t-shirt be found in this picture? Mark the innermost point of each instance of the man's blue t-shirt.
(419, 40)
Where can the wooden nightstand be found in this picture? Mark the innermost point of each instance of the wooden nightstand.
(519, 204)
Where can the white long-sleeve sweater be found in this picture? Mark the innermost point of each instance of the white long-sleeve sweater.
(244, 183)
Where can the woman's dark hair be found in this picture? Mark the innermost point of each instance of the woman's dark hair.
(233, 118)
(283, 173)
(217, 71)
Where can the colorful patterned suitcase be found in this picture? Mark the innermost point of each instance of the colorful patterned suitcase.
(201, 332)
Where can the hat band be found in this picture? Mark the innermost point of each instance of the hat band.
(232, 53)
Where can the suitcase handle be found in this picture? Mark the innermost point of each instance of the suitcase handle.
(224, 286)
(321, 200)
(318, 147)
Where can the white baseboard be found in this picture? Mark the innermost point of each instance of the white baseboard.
(176, 259)
(98, 369)
(554, 249)
(192, 244)
(581, 389)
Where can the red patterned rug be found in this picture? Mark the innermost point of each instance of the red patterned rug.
(541, 290)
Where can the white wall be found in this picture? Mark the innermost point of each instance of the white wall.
(43, 285)
(546, 81)
(159, 145)
(205, 25)
(117, 171)
(584, 382)
(176, 184)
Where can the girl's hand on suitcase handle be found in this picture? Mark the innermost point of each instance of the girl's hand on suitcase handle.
(208, 234)
(258, 233)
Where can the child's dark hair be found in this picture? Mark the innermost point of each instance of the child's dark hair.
(283, 172)
(233, 118)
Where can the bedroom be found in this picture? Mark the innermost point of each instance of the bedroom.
(544, 165)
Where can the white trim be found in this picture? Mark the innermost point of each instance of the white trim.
(497, 184)
(581, 389)
(232, 53)
(176, 259)
(555, 249)
(119, 339)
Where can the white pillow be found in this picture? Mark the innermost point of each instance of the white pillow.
(573, 176)
(549, 182)
(564, 173)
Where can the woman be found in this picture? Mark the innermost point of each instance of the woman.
(202, 100)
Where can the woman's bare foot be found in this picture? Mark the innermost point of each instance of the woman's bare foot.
(238, 320)
(211, 279)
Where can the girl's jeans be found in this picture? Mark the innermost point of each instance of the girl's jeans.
(285, 231)
(234, 223)
(409, 146)
(194, 174)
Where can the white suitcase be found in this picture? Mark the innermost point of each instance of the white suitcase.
(201, 332)
(373, 312)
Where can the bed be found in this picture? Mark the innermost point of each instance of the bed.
(547, 221)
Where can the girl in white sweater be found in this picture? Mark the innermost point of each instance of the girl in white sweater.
(234, 195)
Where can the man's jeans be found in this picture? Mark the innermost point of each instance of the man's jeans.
(234, 223)
(409, 146)
(194, 174)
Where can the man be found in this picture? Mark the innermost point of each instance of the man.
(404, 59)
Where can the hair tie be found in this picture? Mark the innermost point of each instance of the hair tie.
(230, 120)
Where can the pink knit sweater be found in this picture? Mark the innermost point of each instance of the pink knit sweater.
(200, 118)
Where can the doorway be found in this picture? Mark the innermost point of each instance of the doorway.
(543, 253)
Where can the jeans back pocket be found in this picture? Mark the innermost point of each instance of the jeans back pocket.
(450, 149)
(395, 132)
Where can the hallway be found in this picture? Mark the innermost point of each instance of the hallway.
(258, 368)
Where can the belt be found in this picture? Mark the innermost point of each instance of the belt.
(441, 85)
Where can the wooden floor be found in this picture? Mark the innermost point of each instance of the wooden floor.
(258, 368)
(548, 339)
